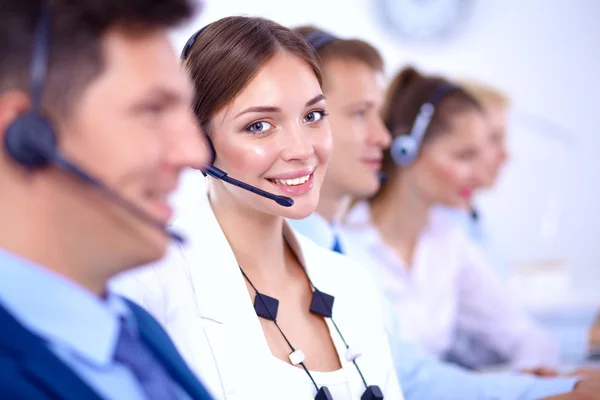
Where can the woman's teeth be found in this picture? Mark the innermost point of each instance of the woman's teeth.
(291, 182)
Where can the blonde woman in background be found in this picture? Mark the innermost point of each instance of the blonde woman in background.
(496, 106)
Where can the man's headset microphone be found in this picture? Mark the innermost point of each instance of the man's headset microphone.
(32, 142)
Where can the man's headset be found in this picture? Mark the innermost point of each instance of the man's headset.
(317, 39)
(218, 173)
(32, 142)
(405, 148)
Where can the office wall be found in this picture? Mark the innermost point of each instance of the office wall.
(546, 55)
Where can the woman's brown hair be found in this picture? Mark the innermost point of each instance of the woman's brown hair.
(228, 53)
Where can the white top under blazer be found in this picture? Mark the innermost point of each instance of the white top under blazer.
(199, 295)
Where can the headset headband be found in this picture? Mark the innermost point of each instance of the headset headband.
(440, 92)
(39, 62)
(190, 42)
(185, 52)
(318, 39)
(426, 111)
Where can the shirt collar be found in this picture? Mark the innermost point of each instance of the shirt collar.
(359, 224)
(316, 228)
(359, 215)
(60, 311)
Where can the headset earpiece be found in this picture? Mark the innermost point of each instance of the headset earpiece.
(30, 141)
(213, 155)
(404, 150)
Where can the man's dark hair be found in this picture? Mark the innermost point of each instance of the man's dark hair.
(345, 49)
(77, 29)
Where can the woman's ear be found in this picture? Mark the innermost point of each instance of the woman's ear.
(13, 104)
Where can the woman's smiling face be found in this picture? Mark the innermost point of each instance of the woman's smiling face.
(275, 135)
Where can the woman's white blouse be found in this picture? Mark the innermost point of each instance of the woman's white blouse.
(199, 295)
(450, 287)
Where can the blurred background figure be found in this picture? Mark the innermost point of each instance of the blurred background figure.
(495, 106)
(467, 349)
(571, 327)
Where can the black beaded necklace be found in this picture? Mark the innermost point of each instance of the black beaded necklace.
(321, 304)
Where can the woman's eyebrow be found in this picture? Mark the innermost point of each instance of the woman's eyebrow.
(272, 109)
(259, 109)
(315, 100)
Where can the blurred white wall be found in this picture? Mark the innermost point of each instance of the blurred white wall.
(545, 55)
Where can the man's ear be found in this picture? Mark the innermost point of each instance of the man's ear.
(13, 104)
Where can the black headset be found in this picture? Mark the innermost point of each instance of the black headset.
(32, 142)
(317, 39)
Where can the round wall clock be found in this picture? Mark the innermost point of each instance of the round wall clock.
(424, 20)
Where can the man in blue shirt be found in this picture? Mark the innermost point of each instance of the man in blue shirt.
(354, 88)
(95, 128)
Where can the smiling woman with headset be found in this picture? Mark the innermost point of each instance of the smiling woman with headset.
(258, 311)
(439, 283)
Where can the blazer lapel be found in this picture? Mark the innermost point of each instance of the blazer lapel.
(231, 326)
(212, 265)
(39, 364)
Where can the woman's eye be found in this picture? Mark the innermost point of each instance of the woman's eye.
(153, 109)
(314, 116)
(467, 155)
(259, 127)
